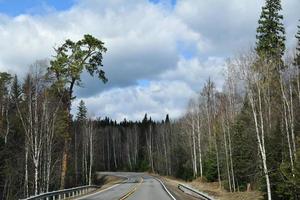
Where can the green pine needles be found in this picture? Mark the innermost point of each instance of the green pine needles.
(297, 58)
(270, 32)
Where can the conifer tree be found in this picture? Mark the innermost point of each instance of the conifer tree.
(297, 58)
(270, 32)
(82, 112)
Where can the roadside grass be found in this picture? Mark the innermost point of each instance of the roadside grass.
(213, 190)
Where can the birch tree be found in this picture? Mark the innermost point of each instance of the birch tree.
(255, 93)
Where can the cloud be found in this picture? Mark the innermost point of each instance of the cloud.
(166, 94)
(195, 73)
(141, 39)
(231, 25)
(157, 99)
(159, 54)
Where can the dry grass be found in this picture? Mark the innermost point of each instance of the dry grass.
(105, 181)
(213, 190)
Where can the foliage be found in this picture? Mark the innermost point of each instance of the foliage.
(270, 32)
(72, 58)
(82, 112)
(210, 167)
(297, 58)
(244, 152)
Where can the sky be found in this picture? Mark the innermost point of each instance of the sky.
(160, 52)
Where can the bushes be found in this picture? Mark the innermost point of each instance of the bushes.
(210, 167)
(185, 172)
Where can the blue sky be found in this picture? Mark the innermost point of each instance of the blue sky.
(17, 7)
(157, 59)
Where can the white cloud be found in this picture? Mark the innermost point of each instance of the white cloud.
(167, 94)
(144, 41)
(231, 25)
(195, 73)
(157, 100)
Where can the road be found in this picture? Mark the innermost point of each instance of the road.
(137, 186)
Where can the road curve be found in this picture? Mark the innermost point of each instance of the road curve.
(150, 189)
(137, 186)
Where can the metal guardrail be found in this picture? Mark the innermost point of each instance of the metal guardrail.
(192, 191)
(63, 194)
(165, 188)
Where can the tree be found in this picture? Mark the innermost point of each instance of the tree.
(82, 112)
(270, 32)
(256, 92)
(297, 58)
(71, 59)
(5, 81)
(297, 62)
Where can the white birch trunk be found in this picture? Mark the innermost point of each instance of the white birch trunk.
(199, 145)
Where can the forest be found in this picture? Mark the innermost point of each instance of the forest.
(245, 136)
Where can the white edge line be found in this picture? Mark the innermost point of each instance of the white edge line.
(111, 187)
(165, 188)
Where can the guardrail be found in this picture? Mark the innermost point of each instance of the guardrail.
(194, 192)
(63, 194)
(165, 188)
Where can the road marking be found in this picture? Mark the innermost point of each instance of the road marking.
(96, 193)
(133, 190)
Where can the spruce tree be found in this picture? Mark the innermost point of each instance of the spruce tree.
(82, 112)
(16, 89)
(297, 58)
(270, 32)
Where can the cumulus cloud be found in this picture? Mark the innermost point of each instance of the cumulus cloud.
(195, 73)
(157, 99)
(174, 48)
(231, 25)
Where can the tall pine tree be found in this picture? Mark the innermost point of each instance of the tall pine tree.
(82, 112)
(297, 59)
(270, 32)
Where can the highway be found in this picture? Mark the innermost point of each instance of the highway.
(137, 186)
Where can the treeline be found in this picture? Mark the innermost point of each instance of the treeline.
(35, 120)
(244, 137)
(247, 135)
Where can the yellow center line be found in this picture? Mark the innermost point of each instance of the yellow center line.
(133, 190)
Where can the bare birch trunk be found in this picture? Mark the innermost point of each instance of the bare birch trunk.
(7, 122)
(226, 155)
(260, 138)
(231, 161)
(194, 148)
(199, 145)
(91, 138)
(26, 192)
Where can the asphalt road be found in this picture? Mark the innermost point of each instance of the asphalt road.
(137, 186)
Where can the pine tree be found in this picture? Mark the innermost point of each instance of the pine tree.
(297, 59)
(270, 32)
(16, 89)
(82, 112)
